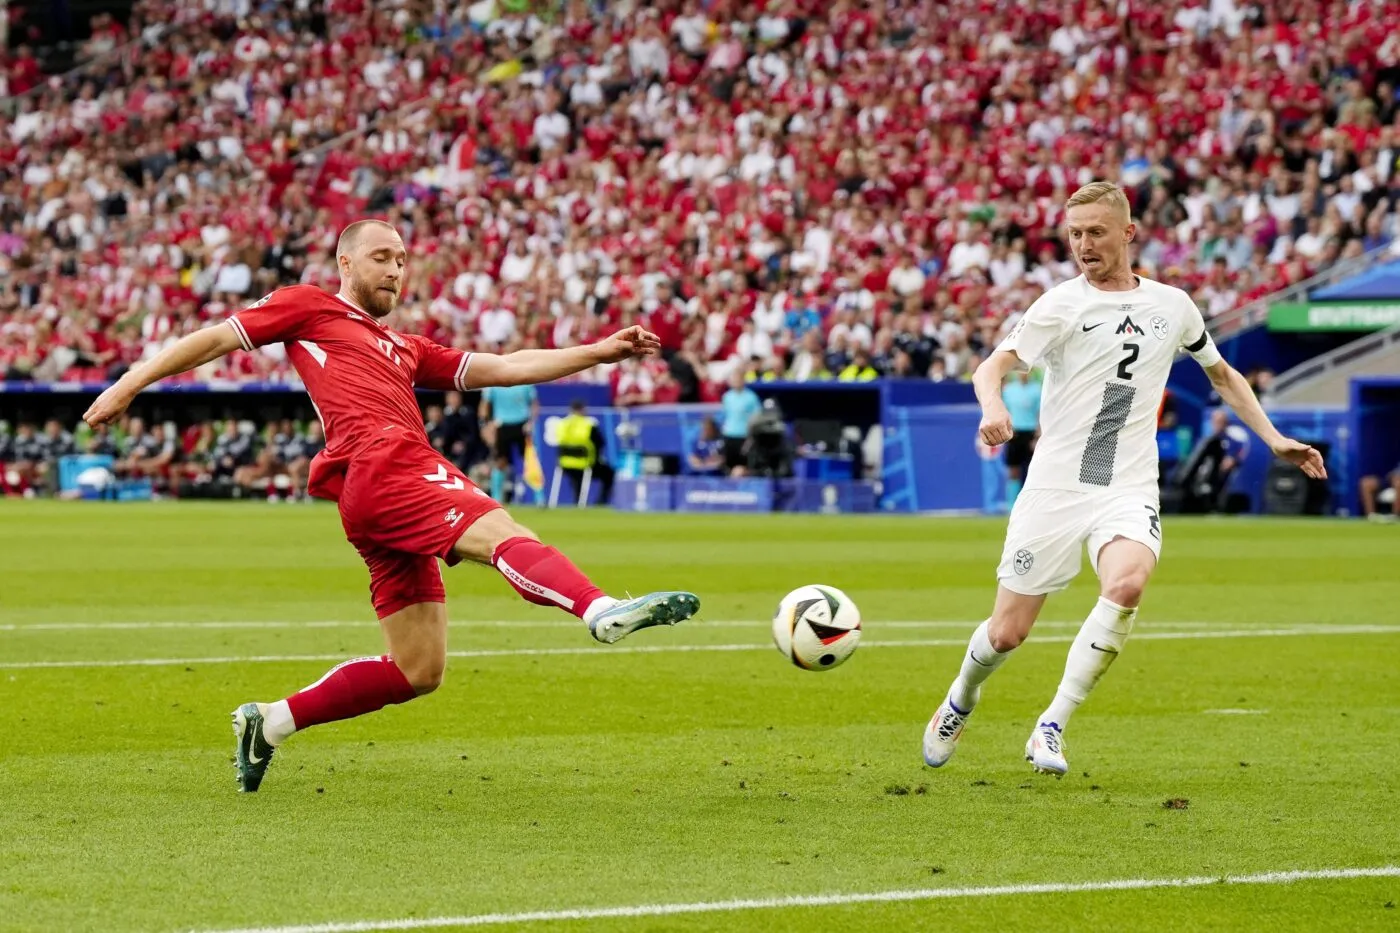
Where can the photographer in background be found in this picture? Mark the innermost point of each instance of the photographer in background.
(706, 456)
(1206, 474)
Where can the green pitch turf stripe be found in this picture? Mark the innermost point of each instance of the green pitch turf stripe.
(829, 900)
(1328, 630)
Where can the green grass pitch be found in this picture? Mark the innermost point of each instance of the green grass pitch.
(1261, 690)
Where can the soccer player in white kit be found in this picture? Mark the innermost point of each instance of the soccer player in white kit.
(1107, 340)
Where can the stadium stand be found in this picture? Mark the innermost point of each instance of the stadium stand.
(773, 185)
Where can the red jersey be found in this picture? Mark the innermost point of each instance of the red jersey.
(360, 374)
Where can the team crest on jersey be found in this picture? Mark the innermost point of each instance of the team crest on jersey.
(1025, 560)
(398, 341)
(1128, 327)
(1159, 327)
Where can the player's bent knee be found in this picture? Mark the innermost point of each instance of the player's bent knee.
(427, 683)
(1371, 483)
(1012, 618)
(1126, 587)
(423, 676)
(1008, 630)
(1005, 637)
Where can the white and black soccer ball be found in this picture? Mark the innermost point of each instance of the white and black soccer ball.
(817, 627)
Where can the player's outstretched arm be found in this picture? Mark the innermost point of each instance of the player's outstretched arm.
(185, 354)
(1234, 391)
(527, 367)
(996, 420)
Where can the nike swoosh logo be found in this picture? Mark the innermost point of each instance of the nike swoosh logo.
(1095, 645)
(1088, 328)
(977, 660)
(253, 759)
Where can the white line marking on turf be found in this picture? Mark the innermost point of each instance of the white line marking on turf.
(1235, 712)
(827, 900)
(601, 651)
(465, 623)
(141, 626)
(26, 628)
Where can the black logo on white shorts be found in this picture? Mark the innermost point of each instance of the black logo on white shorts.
(1154, 522)
(1025, 560)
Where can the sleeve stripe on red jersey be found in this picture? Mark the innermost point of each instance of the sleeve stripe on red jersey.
(460, 380)
(242, 334)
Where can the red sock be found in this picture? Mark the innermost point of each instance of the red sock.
(544, 576)
(351, 689)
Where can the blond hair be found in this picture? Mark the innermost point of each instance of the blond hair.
(351, 234)
(1107, 192)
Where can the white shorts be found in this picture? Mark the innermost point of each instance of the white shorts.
(1049, 526)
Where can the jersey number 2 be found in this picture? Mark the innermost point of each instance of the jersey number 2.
(1127, 361)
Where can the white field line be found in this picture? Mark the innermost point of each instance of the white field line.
(826, 900)
(600, 651)
(35, 627)
(23, 629)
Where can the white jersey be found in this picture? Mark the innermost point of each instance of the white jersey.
(1107, 356)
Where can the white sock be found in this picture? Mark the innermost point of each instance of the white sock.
(1095, 647)
(601, 604)
(277, 722)
(978, 664)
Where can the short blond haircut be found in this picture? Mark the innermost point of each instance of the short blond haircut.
(1107, 192)
(351, 234)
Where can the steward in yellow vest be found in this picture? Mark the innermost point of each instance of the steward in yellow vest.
(576, 448)
(578, 443)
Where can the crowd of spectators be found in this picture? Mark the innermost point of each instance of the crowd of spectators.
(792, 189)
(224, 458)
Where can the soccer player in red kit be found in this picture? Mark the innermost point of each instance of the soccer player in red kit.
(403, 505)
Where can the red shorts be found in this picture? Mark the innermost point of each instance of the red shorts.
(404, 505)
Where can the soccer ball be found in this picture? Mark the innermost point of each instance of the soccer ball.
(817, 627)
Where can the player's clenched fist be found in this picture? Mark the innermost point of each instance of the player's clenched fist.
(995, 428)
(109, 405)
(633, 341)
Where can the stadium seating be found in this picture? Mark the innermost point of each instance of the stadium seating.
(767, 185)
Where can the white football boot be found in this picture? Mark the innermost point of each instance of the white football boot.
(1045, 750)
(664, 608)
(942, 732)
